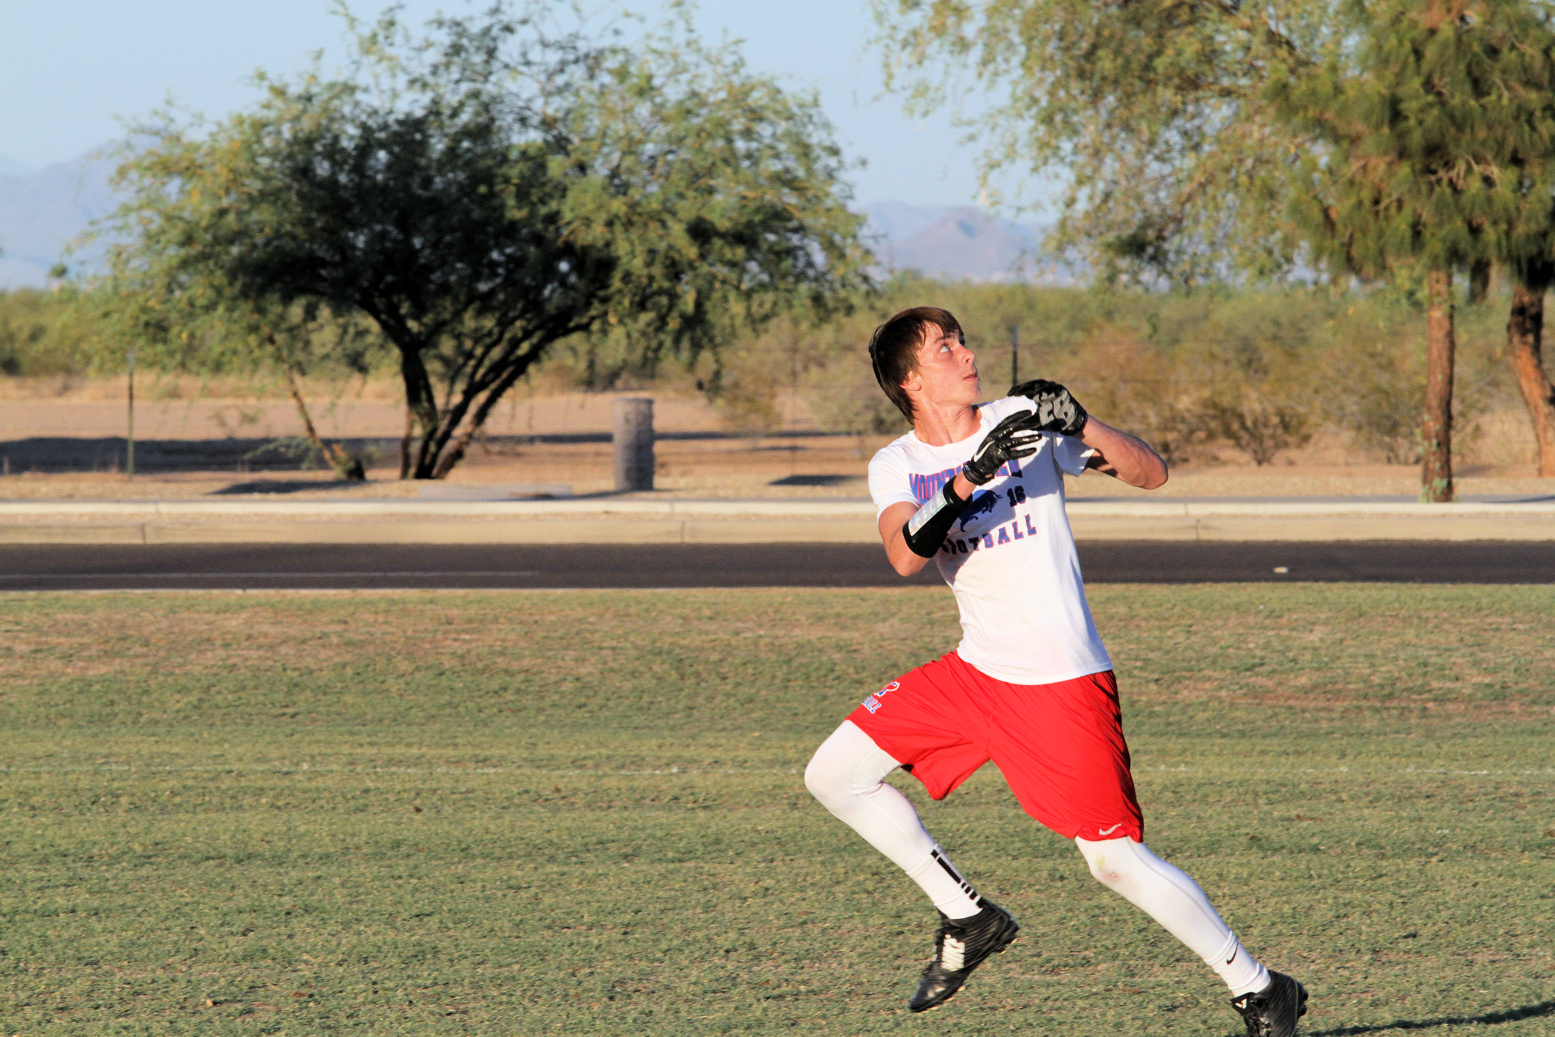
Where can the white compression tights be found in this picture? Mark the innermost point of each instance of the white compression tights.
(846, 776)
(1174, 900)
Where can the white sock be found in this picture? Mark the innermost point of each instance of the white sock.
(1174, 900)
(846, 776)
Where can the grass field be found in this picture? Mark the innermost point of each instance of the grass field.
(582, 813)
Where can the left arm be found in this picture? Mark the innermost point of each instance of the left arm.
(1123, 456)
(1118, 454)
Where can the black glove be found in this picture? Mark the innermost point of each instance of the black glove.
(1057, 409)
(1015, 436)
(1018, 435)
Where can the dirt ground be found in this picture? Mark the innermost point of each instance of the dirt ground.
(794, 461)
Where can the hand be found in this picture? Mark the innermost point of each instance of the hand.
(1016, 436)
(1057, 409)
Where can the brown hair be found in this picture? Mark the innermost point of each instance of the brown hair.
(893, 349)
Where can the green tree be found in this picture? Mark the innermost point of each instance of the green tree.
(1529, 251)
(1151, 112)
(495, 186)
(1425, 114)
(181, 314)
(1197, 145)
(1532, 279)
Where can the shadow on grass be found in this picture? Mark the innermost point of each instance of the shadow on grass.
(1511, 1015)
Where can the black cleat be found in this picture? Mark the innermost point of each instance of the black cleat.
(959, 947)
(1273, 1012)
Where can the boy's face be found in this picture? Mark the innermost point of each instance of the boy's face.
(946, 371)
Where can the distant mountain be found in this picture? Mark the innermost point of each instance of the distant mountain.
(960, 243)
(10, 167)
(41, 212)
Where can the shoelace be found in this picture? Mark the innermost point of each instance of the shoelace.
(952, 954)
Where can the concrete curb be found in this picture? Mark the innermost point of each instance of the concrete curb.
(638, 521)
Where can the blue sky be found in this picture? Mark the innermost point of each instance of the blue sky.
(70, 68)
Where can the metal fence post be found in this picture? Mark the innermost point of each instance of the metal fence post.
(633, 442)
(129, 432)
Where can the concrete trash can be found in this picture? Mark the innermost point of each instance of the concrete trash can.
(632, 439)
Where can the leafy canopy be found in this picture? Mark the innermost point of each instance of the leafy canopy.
(1437, 130)
(1203, 139)
(493, 186)
(1151, 111)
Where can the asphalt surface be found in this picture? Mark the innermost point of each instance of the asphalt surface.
(349, 567)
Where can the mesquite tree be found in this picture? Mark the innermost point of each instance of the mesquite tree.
(1150, 113)
(491, 188)
(1207, 138)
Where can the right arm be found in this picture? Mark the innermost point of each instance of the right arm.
(1015, 436)
(892, 520)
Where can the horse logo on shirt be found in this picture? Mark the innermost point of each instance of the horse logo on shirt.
(983, 503)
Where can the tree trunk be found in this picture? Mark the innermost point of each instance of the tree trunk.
(421, 415)
(405, 443)
(1436, 426)
(345, 466)
(1525, 345)
(1479, 281)
(350, 468)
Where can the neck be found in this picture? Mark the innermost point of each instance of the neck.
(942, 424)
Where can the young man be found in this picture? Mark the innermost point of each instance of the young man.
(979, 488)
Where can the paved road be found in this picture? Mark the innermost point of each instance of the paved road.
(335, 566)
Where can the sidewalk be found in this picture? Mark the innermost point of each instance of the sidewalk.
(642, 519)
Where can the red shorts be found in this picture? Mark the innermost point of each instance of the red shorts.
(1060, 746)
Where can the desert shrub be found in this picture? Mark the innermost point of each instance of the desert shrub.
(1373, 373)
(843, 397)
(1374, 393)
(43, 334)
(1138, 386)
(747, 395)
(1257, 425)
(1259, 355)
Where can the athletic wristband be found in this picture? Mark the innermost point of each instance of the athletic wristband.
(927, 528)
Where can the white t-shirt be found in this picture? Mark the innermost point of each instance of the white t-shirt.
(1010, 558)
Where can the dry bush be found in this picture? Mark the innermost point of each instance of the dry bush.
(1374, 392)
(1258, 425)
(749, 377)
(844, 397)
(1135, 385)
